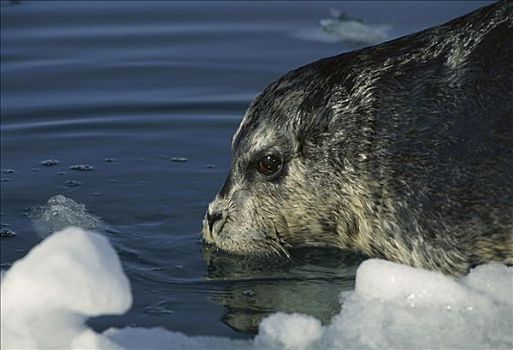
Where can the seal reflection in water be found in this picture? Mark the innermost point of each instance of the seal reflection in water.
(402, 151)
(251, 288)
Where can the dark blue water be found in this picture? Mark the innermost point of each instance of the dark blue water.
(125, 87)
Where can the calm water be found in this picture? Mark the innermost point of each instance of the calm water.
(125, 87)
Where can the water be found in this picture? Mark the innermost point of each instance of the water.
(137, 101)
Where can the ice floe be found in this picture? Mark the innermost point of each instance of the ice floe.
(61, 212)
(343, 28)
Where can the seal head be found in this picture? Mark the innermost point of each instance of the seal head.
(277, 185)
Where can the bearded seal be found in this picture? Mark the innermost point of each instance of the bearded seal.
(402, 151)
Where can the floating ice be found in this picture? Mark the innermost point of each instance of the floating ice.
(354, 30)
(282, 331)
(47, 296)
(6, 232)
(82, 167)
(74, 274)
(50, 162)
(73, 183)
(341, 27)
(160, 338)
(397, 306)
(61, 212)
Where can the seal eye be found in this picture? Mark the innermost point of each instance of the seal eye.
(269, 165)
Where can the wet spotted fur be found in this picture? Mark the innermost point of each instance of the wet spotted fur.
(402, 150)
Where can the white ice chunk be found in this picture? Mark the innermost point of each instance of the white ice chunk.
(47, 295)
(282, 331)
(397, 306)
(343, 28)
(160, 338)
(354, 31)
(495, 280)
(385, 280)
(61, 212)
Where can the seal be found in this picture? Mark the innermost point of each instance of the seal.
(402, 151)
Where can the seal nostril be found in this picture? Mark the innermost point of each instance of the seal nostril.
(212, 218)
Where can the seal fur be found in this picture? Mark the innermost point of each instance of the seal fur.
(402, 151)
